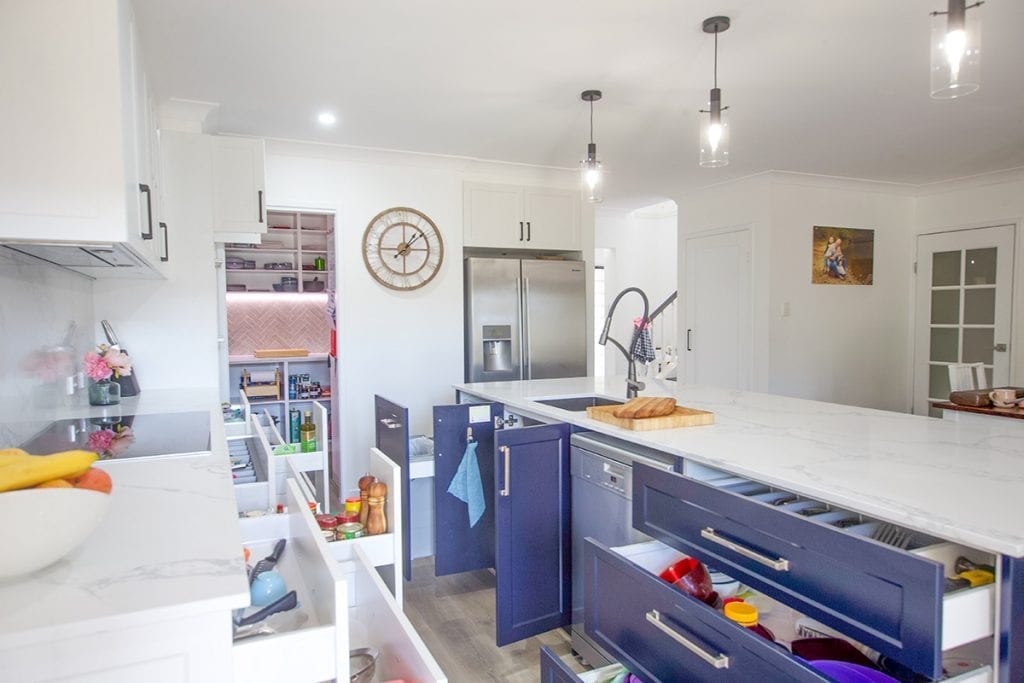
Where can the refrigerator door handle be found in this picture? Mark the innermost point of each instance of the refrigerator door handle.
(527, 370)
(522, 321)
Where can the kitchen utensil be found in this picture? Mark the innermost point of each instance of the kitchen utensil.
(1003, 398)
(682, 417)
(129, 383)
(289, 601)
(268, 562)
(690, 576)
(267, 587)
(40, 526)
(964, 564)
(314, 285)
(280, 622)
(890, 534)
(362, 664)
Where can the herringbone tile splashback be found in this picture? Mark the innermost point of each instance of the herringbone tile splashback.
(289, 324)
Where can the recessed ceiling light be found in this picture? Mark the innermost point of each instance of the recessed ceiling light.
(326, 118)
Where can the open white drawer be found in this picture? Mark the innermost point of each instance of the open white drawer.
(352, 607)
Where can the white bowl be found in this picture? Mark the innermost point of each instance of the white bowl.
(40, 526)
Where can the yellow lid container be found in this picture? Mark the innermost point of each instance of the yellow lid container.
(742, 613)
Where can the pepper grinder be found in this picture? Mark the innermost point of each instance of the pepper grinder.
(364, 493)
(376, 522)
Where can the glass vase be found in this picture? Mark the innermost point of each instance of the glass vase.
(104, 393)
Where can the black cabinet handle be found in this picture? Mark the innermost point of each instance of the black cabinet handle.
(527, 231)
(149, 211)
(520, 231)
(260, 198)
(167, 253)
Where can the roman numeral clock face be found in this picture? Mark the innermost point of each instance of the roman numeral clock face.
(402, 248)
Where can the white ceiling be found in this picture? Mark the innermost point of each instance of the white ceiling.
(837, 88)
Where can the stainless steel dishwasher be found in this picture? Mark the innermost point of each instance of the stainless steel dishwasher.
(602, 509)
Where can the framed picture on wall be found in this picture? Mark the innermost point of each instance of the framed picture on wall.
(842, 256)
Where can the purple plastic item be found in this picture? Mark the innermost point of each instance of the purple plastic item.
(845, 672)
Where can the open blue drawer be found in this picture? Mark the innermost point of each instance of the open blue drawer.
(664, 635)
(889, 599)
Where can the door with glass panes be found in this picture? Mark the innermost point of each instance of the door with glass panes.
(964, 283)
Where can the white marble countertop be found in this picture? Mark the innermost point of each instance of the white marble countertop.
(958, 481)
(169, 547)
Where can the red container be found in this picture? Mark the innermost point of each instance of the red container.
(690, 576)
(347, 517)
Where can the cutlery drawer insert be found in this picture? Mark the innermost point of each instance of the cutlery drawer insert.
(879, 593)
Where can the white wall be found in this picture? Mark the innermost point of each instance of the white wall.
(639, 250)
(847, 344)
(840, 343)
(170, 326)
(994, 199)
(406, 346)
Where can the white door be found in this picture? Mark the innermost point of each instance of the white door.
(493, 216)
(552, 218)
(239, 180)
(719, 325)
(963, 308)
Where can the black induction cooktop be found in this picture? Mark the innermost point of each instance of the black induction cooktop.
(123, 437)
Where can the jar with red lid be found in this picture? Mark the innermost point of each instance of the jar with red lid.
(328, 526)
(347, 517)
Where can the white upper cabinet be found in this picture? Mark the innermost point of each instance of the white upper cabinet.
(511, 216)
(239, 196)
(73, 92)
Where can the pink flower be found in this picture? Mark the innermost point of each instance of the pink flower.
(96, 367)
(100, 441)
(118, 361)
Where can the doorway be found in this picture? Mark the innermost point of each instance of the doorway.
(964, 306)
(718, 345)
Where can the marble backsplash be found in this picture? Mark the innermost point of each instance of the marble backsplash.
(46, 326)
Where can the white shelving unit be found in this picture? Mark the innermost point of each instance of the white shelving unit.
(295, 238)
(315, 365)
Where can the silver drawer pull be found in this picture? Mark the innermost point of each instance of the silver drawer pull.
(717, 661)
(507, 455)
(390, 423)
(779, 565)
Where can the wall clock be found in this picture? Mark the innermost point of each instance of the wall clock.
(402, 248)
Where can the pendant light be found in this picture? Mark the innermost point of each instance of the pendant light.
(591, 167)
(956, 51)
(714, 129)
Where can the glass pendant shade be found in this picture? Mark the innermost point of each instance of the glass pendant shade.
(956, 56)
(714, 139)
(592, 177)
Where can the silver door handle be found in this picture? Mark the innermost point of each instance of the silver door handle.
(718, 661)
(779, 565)
(389, 423)
(688, 347)
(527, 351)
(522, 322)
(505, 454)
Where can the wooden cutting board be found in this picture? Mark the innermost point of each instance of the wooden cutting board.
(682, 417)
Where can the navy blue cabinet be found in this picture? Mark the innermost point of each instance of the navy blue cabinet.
(554, 670)
(457, 546)
(661, 634)
(886, 598)
(524, 531)
(532, 520)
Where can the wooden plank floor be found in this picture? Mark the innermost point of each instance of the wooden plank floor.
(455, 617)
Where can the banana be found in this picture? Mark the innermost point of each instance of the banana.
(10, 455)
(21, 472)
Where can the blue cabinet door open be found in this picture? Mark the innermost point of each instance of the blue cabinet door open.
(533, 554)
(458, 547)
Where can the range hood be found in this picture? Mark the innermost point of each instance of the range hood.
(93, 259)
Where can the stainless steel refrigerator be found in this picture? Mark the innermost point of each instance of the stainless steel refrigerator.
(525, 319)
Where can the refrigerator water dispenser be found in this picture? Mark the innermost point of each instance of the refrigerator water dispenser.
(497, 341)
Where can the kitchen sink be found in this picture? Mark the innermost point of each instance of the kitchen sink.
(578, 403)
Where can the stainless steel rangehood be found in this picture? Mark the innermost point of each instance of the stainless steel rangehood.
(96, 260)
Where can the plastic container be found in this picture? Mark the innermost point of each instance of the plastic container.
(845, 672)
(691, 577)
(745, 615)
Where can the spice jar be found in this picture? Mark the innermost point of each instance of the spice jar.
(347, 517)
(353, 504)
(328, 526)
(350, 530)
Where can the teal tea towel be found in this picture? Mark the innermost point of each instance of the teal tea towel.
(467, 486)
